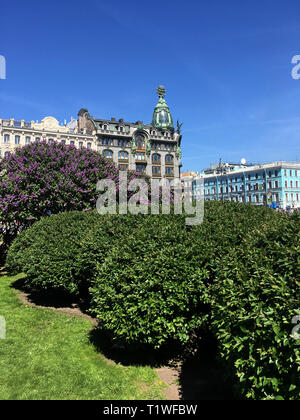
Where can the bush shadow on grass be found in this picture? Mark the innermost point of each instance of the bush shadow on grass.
(51, 298)
(136, 354)
(201, 376)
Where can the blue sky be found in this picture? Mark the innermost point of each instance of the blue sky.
(226, 66)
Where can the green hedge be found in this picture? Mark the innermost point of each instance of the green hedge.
(99, 241)
(145, 291)
(48, 251)
(254, 299)
(152, 279)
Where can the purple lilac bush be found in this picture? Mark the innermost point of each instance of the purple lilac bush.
(41, 179)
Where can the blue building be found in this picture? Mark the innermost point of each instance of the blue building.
(276, 184)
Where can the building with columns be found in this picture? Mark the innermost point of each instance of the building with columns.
(153, 148)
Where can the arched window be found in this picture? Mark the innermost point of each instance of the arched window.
(156, 158)
(169, 159)
(123, 155)
(108, 154)
(140, 141)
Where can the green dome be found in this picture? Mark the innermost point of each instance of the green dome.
(162, 117)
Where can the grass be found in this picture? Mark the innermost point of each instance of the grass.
(47, 355)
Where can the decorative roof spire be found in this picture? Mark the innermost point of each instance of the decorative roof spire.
(162, 117)
(161, 91)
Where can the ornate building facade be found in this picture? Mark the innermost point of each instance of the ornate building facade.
(153, 148)
(150, 148)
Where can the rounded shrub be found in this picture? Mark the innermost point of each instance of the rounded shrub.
(99, 242)
(48, 251)
(146, 290)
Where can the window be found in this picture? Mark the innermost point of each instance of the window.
(156, 146)
(122, 143)
(63, 142)
(276, 184)
(169, 159)
(108, 154)
(269, 174)
(140, 168)
(170, 171)
(107, 142)
(285, 184)
(27, 140)
(156, 170)
(89, 145)
(140, 156)
(17, 139)
(291, 184)
(123, 155)
(140, 141)
(6, 138)
(297, 184)
(37, 139)
(123, 167)
(156, 158)
(72, 143)
(50, 141)
(6, 154)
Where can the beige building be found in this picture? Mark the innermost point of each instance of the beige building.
(15, 134)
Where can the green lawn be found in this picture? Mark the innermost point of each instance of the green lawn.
(47, 355)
